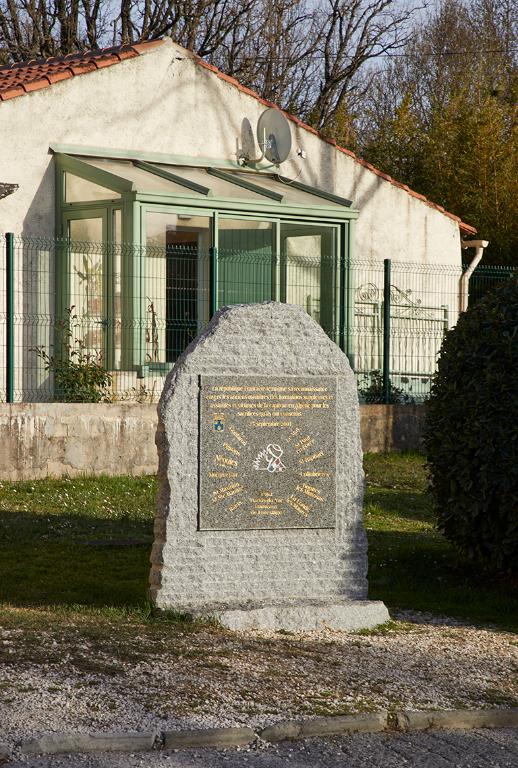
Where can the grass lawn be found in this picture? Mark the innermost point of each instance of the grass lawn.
(85, 542)
(411, 565)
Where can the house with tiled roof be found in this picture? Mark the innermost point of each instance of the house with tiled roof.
(142, 199)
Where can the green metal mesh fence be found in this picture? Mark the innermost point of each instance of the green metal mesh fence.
(107, 322)
(485, 278)
(424, 302)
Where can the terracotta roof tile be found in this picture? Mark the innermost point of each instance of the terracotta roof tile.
(35, 85)
(27, 76)
(58, 75)
(82, 68)
(11, 93)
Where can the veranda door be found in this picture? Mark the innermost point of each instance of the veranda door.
(246, 261)
(86, 285)
(181, 291)
(175, 282)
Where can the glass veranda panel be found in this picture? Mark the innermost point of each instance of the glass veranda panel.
(219, 187)
(308, 271)
(78, 190)
(116, 254)
(246, 264)
(176, 282)
(291, 195)
(142, 179)
(86, 300)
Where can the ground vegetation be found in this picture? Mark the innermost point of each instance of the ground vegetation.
(85, 542)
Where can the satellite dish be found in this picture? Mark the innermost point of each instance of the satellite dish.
(274, 135)
(247, 149)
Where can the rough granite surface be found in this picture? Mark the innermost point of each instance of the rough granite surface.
(204, 572)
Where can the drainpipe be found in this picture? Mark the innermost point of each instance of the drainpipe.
(479, 246)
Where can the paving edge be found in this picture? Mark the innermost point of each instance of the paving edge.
(375, 722)
(209, 737)
(55, 743)
(455, 719)
(325, 726)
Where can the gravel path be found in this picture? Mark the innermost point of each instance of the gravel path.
(438, 749)
(139, 677)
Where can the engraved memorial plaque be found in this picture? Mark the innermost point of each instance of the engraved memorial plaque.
(267, 452)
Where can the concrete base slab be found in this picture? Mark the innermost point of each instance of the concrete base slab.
(351, 615)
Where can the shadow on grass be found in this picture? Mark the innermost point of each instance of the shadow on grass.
(18, 527)
(74, 559)
(408, 505)
(421, 571)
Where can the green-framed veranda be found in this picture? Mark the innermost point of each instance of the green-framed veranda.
(291, 222)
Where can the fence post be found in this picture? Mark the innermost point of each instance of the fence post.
(9, 314)
(350, 279)
(213, 281)
(342, 330)
(386, 331)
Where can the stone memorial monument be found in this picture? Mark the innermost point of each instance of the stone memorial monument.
(259, 518)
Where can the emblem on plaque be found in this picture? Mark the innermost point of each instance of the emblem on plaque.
(269, 459)
(218, 423)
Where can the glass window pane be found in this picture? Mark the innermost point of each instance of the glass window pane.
(220, 187)
(78, 190)
(178, 230)
(144, 180)
(86, 230)
(117, 226)
(291, 195)
(309, 271)
(246, 264)
(86, 281)
(176, 282)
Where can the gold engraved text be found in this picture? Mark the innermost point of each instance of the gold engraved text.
(225, 461)
(239, 438)
(231, 449)
(298, 505)
(310, 491)
(313, 457)
(227, 490)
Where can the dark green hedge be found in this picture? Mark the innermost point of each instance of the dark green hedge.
(471, 433)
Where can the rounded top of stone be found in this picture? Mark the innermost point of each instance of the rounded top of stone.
(269, 327)
(261, 339)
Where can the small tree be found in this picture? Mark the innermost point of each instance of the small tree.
(79, 375)
(472, 432)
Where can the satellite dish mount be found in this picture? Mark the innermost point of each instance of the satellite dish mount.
(273, 137)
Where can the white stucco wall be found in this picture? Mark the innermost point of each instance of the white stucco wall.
(163, 101)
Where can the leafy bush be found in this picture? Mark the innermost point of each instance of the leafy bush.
(79, 375)
(472, 432)
(370, 389)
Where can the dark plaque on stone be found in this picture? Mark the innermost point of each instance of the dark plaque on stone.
(267, 452)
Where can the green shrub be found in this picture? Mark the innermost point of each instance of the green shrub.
(79, 375)
(370, 389)
(472, 432)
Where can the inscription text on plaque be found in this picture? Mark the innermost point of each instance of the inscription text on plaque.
(267, 452)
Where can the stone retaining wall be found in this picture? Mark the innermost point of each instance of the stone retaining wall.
(56, 439)
(391, 427)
